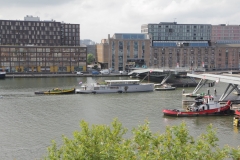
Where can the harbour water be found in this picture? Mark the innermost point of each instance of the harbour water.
(29, 122)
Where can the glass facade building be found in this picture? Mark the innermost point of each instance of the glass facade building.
(171, 31)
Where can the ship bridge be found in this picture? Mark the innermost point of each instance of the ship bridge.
(233, 82)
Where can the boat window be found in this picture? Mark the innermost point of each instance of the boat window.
(96, 88)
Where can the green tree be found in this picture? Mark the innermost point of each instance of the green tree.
(108, 143)
(90, 58)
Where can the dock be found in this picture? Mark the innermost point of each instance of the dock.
(50, 75)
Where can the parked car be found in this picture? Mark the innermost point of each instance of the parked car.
(105, 71)
(122, 72)
(95, 72)
(79, 73)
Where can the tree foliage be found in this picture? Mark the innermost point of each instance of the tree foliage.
(108, 143)
(90, 58)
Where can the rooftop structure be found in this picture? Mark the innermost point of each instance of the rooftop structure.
(31, 18)
(225, 34)
(171, 31)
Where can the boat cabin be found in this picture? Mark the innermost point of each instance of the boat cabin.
(122, 82)
(203, 103)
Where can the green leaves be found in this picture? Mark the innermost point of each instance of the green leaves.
(90, 58)
(107, 142)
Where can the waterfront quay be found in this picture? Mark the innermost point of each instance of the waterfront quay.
(50, 75)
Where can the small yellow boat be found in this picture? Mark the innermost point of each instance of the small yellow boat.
(57, 91)
(236, 121)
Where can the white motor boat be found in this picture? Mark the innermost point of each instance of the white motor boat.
(116, 86)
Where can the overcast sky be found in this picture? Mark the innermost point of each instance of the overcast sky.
(98, 18)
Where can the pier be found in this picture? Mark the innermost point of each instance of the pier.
(232, 80)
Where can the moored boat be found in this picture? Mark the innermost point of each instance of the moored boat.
(203, 106)
(236, 118)
(165, 87)
(116, 86)
(57, 91)
(193, 95)
(177, 79)
(237, 112)
(2, 74)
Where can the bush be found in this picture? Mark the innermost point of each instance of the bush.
(107, 143)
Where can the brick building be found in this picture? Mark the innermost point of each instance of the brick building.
(124, 50)
(44, 59)
(217, 57)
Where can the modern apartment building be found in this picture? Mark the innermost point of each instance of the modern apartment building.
(31, 45)
(124, 50)
(225, 34)
(171, 31)
(32, 31)
(43, 59)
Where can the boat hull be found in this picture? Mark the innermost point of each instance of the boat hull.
(64, 91)
(200, 114)
(2, 75)
(165, 89)
(222, 111)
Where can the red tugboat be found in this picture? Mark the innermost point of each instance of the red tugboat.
(203, 106)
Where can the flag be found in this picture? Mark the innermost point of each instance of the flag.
(80, 82)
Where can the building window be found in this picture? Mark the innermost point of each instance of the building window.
(135, 54)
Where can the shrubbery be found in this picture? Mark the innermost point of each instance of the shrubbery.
(107, 143)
